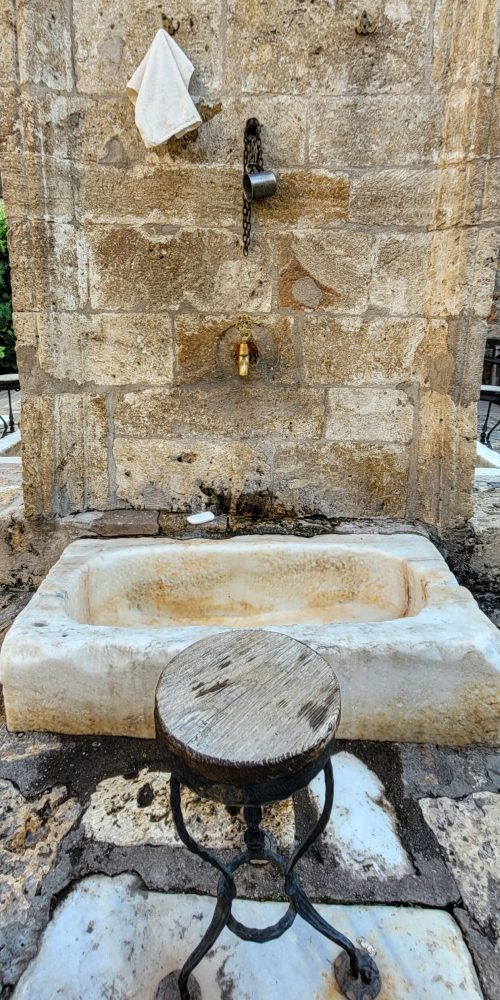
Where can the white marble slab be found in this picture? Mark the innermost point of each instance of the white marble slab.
(363, 827)
(112, 939)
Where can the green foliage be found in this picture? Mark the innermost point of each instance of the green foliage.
(7, 339)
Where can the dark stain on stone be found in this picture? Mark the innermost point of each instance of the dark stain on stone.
(226, 983)
(145, 795)
(257, 504)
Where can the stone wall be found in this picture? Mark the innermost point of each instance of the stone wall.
(368, 281)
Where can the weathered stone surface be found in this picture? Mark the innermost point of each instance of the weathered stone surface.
(82, 129)
(38, 187)
(483, 275)
(107, 51)
(9, 111)
(430, 197)
(149, 193)
(362, 481)
(449, 431)
(386, 206)
(49, 269)
(305, 200)
(189, 475)
(369, 415)
(205, 349)
(7, 42)
(30, 835)
(228, 412)
(453, 57)
(485, 954)
(328, 270)
(350, 351)
(400, 282)
(66, 467)
(110, 931)
(374, 131)
(104, 131)
(468, 830)
(108, 349)
(128, 811)
(44, 44)
(148, 269)
(281, 49)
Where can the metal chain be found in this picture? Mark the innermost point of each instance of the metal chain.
(253, 162)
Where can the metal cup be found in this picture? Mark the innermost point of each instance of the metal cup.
(259, 185)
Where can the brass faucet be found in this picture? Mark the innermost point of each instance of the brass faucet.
(245, 349)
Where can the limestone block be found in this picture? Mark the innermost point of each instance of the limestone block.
(446, 459)
(103, 131)
(38, 188)
(398, 197)
(491, 206)
(149, 193)
(339, 479)
(205, 346)
(469, 832)
(111, 41)
(149, 269)
(8, 68)
(482, 273)
(467, 130)
(108, 349)
(48, 265)
(231, 411)
(65, 454)
(30, 836)
(9, 123)
(348, 350)
(399, 283)
(126, 812)
(220, 138)
(305, 200)
(44, 44)
(463, 34)
(282, 49)
(329, 270)
(82, 128)
(374, 131)
(26, 329)
(177, 476)
(408, 197)
(369, 415)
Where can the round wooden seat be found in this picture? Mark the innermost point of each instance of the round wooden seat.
(250, 710)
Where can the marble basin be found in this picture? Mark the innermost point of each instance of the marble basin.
(416, 658)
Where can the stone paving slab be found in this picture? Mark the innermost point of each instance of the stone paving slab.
(112, 938)
(380, 849)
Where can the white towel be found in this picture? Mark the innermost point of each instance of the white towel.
(159, 91)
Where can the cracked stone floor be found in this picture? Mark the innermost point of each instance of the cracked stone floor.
(99, 899)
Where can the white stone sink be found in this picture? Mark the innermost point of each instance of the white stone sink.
(416, 658)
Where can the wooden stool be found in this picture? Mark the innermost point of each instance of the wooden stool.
(248, 718)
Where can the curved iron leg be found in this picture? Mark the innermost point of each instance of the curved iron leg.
(302, 903)
(225, 897)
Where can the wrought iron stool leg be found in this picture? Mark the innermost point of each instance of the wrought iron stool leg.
(225, 895)
(357, 972)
